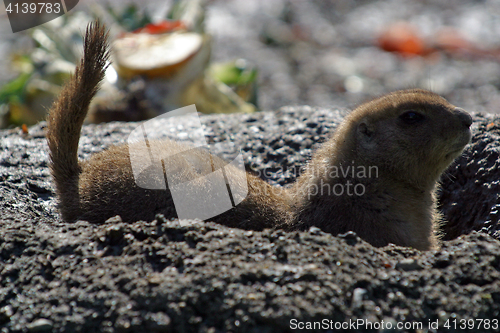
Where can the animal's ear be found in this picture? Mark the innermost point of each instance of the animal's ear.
(365, 131)
(365, 134)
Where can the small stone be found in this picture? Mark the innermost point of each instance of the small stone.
(5, 313)
(160, 219)
(314, 230)
(357, 297)
(383, 275)
(40, 325)
(350, 237)
(390, 325)
(157, 322)
(114, 234)
(114, 219)
(409, 265)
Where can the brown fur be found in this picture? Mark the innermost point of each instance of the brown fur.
(396, 207)
(66, 118)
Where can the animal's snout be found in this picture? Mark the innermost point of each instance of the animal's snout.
(464, 117)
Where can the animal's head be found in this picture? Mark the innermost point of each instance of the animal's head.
(413, 134)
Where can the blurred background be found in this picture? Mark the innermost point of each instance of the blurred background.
(246, 56)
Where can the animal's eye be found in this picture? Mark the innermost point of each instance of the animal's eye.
(411, 117)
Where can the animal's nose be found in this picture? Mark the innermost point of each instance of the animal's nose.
(464, 116)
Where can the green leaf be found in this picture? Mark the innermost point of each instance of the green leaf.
(14, 90)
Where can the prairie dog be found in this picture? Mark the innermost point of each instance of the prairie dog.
(406, 139)
(394, 149)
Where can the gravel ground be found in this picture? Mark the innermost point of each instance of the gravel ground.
(162, 277)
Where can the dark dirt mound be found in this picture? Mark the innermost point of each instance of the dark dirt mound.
(159, 276)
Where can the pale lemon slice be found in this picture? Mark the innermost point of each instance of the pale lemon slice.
(154, 55)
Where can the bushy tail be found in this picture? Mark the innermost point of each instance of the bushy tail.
(67, 114)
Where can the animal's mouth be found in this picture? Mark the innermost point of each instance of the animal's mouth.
(454, 153)
(461, 141)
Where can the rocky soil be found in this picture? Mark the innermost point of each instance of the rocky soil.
(159, 276)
